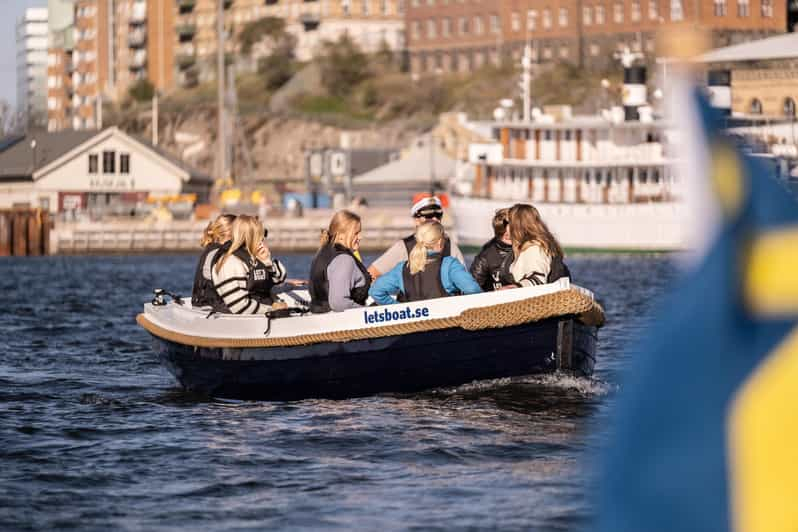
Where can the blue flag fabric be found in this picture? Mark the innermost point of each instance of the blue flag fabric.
(704, 436)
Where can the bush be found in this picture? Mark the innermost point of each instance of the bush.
(278, 67)
(343, 66)
(142, 91)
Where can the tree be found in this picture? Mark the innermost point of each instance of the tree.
(142, 90)
(279, 66)
(343, 66)
(256, 31)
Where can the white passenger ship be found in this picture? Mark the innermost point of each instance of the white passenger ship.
(599, 182)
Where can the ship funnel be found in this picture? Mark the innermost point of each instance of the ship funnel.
(719, 88)
(634, 91)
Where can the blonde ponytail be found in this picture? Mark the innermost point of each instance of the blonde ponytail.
(218, 230)
(325, 237)
(427, 235)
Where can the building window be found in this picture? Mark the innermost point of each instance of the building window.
(446, 27)
(384, 7)
(617, 13)
(720, 8)
(653, 10)
(531, 19)
(594, 49)
(93, 163)
(494, 24)
(479, 28)
(546, 18)
(563, 17)
(416, 30)
(767, 8)
(515, 21)
(635, 11)
(109, 162)
(546, 53)
(587, 15)
(755, 108)
(789, 108)
(365, 8)
(432, 30)
(599, 15)
(124, 163)
(564, 51)
(676, 10)
(743, 8)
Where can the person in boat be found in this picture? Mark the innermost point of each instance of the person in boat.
(338, 278)
(427, 209)
(491, 267)
(244, 271)
(215, 235)
(538, 255)
(427, 274)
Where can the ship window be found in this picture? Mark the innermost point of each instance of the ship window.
(586, 178)
(643, 176)
(547, 135)
(567, 134)
(655, 176)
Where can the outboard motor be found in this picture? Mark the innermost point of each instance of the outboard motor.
(719, 89)
(634, 91)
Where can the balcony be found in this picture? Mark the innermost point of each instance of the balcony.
(137, 38)
(184, 62)
(186, 32)
(186, 6)
(138, 61)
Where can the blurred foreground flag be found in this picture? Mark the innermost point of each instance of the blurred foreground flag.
(705, 436)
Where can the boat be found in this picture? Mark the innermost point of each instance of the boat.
(602, 181)
(400, 348)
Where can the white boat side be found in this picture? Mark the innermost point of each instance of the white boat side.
(198, 322)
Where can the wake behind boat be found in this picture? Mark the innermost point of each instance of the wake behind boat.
(395, 348)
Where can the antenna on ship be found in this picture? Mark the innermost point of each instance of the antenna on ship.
(526, 81)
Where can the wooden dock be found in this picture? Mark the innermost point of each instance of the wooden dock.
(24, 232)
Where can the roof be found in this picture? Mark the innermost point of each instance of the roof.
(17, 153)
(413, 167)
(778, 47)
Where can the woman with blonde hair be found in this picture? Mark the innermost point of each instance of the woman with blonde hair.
(215, 235)
(244, 272)
(538, 255)
(427, 274)
(338, 279)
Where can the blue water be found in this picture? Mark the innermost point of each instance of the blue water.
(95, 434)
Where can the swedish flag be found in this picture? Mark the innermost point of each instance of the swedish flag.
(706, 432)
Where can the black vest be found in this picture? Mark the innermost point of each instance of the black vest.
(558, 270)
(494, 261)
(320, 285)
(259, 277)
(203, 294)
(423, 285)
(410, 243)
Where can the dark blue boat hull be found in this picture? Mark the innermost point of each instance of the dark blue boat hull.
(399, 364)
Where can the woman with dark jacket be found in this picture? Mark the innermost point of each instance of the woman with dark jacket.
(338, 279)
(216, 234)
(491, 267)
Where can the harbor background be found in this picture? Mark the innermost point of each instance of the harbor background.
(97, 435)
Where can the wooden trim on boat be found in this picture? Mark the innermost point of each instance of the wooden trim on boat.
(564, 303)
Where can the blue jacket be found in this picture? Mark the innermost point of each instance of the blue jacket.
(454, 277)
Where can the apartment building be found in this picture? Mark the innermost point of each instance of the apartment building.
(461, 35)
(368, 22)
(32, 65)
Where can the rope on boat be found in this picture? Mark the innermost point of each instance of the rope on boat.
(570, 302)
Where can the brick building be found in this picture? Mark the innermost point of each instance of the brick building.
(460, 35)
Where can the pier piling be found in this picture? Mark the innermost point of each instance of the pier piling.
(24, 232)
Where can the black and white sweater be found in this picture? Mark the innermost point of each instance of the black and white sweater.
(231, 284)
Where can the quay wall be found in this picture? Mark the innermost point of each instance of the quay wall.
(287, 234)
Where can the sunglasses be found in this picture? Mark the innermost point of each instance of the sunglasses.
(430, 216)
(265, 233)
